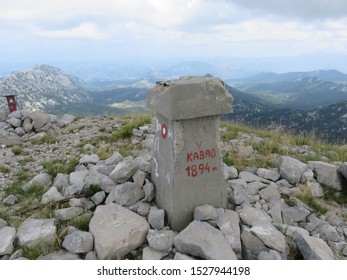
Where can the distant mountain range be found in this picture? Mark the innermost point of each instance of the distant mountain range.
(300, 101)
(328, 123)
(299, 90)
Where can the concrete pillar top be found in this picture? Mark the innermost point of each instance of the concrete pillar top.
(190, 97)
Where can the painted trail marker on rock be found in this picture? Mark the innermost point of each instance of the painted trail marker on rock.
(187, 169)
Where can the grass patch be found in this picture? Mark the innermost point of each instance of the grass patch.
(4, 169)
(17, 150)
(105, 151)
(81, 222)
(53, 167)
(102, 129)
(306, 197)
(331, 194)
(47, 139)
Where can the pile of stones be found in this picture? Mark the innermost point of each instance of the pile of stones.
(125, 223)
(25, 125)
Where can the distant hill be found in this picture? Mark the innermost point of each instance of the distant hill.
(43, 88)
(298, 90)
(328, 123)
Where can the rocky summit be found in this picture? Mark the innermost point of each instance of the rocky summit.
(85, 192)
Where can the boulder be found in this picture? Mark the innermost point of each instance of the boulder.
(228, 223)
(156, 217)
(292, 169)
(76, 182)
(117, 231)
(229, 172)
(14, 122)
(65, 214)
(42, 180)
(149, 253)
(7, 236)
(270, 192)
(297, 214)
(78, 242)
(313, 248)
(327, 174)
(114, 159)
(65, 120)
(94, 178)
(123, 171)
(148, 189)
(51, 195)
(93, 159)
(238, 194)
(271, 255)
(39, 120)
(270, 236)
(60, 255)
(205, 213)
(268, 174)
(37, 232)
(128, 194)
(202, 240)
(251, 216)
(161, 240)
(251, 245)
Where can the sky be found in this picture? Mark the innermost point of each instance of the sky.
(111, 29)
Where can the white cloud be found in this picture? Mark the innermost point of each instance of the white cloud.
(85, 30)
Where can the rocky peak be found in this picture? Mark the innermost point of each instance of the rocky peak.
(43, 88)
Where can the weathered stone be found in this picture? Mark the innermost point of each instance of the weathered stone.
(7, 236)
(78, 242)
(276, 214)
(334, 219)
(10, 200)
(128, 194)
(328, 232)
(270, 236)
(148, 189)
(139, 177)
(76, 183)
(251, 245)
(19, 131)
(149, 253)
(292, 169)
(228, 223)
(38, 136)
(39, 120)
(237, 194)
(327, 174)
(270, 192)
(253, 188)
(161, 240)
(65, 120)
(307, 176)
(37, 232)
(297, 214)
(315, 189)
(61, 182)
(143, 164)
(15, 114)
(313, 248)
(94, 178)
(229, 172)
(250, 177)
(117, 231)
(182, 257)
(86, 159)
(251, 216)
(268, 174)
(156, 217)
(17, 254)
(60, 255)
(200, 239)
(42, 180)
(68, 213)
(123, 171)
(98, 197)
(114, 159)
(51, 195)
(271, 255)
(91, 256)
(205, 213)
(25, 113)
(14, 122)
(102, 169)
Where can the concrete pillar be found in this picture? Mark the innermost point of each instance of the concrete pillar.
(187, 169)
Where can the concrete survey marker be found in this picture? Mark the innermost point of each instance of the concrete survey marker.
(187, 169)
